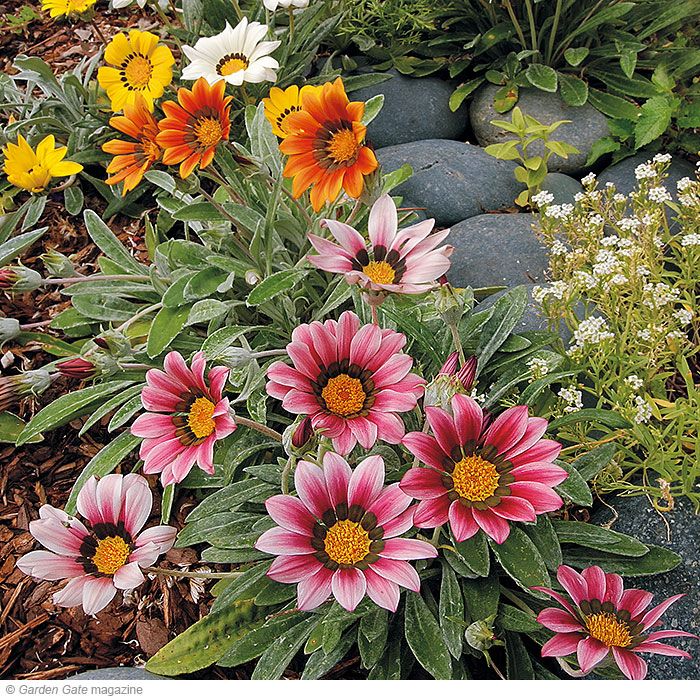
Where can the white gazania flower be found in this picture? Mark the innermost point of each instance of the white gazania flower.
(237, 55)
(272, 5)
(119, 4)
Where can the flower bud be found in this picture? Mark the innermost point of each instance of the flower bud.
(252, 277)
(9, 329)
(58, 264)
(115, 342)
(451, 364)
(233, 357)
(450, 381)
(77, 368)
(467, 374)
(303, 433)
(14, 387)
(19, 279)
(451, 302)
(480, 634)
(299, 438)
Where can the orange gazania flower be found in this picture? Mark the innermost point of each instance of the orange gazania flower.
(194, 126)
(325, 145)
(132, 158)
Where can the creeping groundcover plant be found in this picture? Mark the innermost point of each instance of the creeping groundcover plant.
(370, 467)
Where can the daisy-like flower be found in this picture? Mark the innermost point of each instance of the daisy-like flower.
(32, 170)
(237, 55)
(281, 103)
(272, 5)
(600, 617)
(186, 416)
(479, 477)
(351, 380)
(139, 65)
(194, 126)
(132, 158)
(59, 8)
(341, 535)
(106, 556)
(406, 261)
(326, 147)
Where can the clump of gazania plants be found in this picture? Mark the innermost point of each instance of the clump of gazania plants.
(303, 365)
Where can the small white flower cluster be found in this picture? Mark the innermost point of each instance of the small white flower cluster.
(618, 279)
(595, 221)
(644, 171)
(631, 224)
(662, 158)
(648, 333)
(573, 398)
(479, 398)
(675, 335)
(658, 295)
(558, 248)
(686, 196)
(659, 195)
(586, 279)
(634, 381)
(543, 197)
(609, 241)
(683, 316)
(580, 196)
(643, 410)
(559, 211)
(588, 180)
(690, 239)
(591, 331)
(606, 263)
(557, 289)
(683, 184)
(538, 367)
(643, 271)
(619, 197)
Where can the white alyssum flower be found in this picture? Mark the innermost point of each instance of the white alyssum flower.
(643, 410)
(237, 55)
(272, 5)
(543, 197)
(592, 331)
(662, 158)
(659, 195)
(559, 211)
(683, 184)
(573, 398)
(683, 316)
(643, 271)
(634, 381)
(618, 279)
(644, 334)
(595, 221)
(660, 294)
(618, 197)
(608, 241)
(538, 367)
(690, 239)
(558, 248)
(630, 223)
(586, 279)
(675, 335)
(644, 170)
(579, 196)
(588, 180)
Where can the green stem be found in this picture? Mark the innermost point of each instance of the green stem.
(457, 342)
(144, 312)
(254, 425)
(291, 24)
(192, 574)
(516, 24)
(534, 42)
(553, 33)
(96, 278)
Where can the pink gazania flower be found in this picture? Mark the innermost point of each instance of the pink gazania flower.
(350, 380)
(106, 556)
(341, 535)
(406, 261)
(600, 617)
(480, 478)
(187, 415)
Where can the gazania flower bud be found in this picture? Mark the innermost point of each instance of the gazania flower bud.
(9, 329)
(451, 364)
(299, 438)
(58, 264)
(451, 303)
(451, 381)
(19, 279)
(115, 342)
(77, 368)
(480, 634)
(303, 433)
(13, 388)
(252, 277)
(467, 374)
(234, 358)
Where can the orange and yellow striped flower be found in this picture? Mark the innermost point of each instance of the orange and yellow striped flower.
(132, 158)
(194, 126)
(325, 145)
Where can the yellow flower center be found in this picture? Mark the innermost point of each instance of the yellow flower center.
(39, 177)
(475, 478)
(200, 420)
(342, 146)
(380, 272)
(111, 554)
(346, 542)
(208, 131)
(232, 64)
(344, 395)
(138, 72)
(608, 629)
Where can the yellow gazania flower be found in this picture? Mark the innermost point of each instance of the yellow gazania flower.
(32, 171)
(142, 67)
(57, 8)
(281, 103)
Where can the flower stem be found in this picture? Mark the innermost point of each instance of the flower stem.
(192, 574)
(97, 278)
(291, 24)
(98, 31)
(254, 425)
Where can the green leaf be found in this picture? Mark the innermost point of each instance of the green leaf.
(200, 211)
(103, 463)
(593, 462)
(595, 537)
(515, 620)
(321, 661)
(574, 488)
(601, 147)
(481, 597)
(574, 91)
(463, 91)
(166, 325)
(542, 77)
(628, 62)
(518, 663)
(505, 98)
(656, 561)
(574, 57)
(74, 200)
(425, 638)
(67, 407)
(544, 537)
(475, 552)
(613, 106)
(109, 244)
(611, 419)
(12, 248)
(282, 650)
(451, 611)
(653, 121)
(273, 285)
(207, 640)
(11, 426)
(521, 560)
(372, 108)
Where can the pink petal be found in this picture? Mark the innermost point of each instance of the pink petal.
(162, 536)
(400, 572)
(630, 664)
(87, 501)
(346, 235)
(542, 451)
(294, 568)
(573, 583)
(181, 466)
(541, 472)
(390, 427)
(287, 376)
(159, 401)
(175, 366)
(595, 580)
(138, 502)
(311, 488)
(165, 384)
(345, 441)
(349, 587)
(663, 649)
(364, 430)
(389, 400)
(392, 371)
(218, 376)
(291, 514)
(508, 429)
(314, 590)
(49, 566)
(432, 513)
(57, 537)
(513, 508)
(279, 541)
(561, 644)
(421, 482)
(128, 576)
(365, 345)
(426, 448)
(161, 455)
(443, 428)
(205, 459)
(337, 473)
(634, 600)
(462, 522)
(366, 482)
(153, 425)
(400, 548)
(590, 652)
(390, 503)
(665, 634)
(557, 596)
(543, 498)
(97, 594)
(496, 528)
(303, 360)
(71, 594)
(383, 222)
(559, 620)
(656, 612)
(383, 592)
(468, 418)
(400, 524)
(536, 428)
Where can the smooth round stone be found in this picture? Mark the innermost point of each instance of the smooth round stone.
(622, 174)
(586, 127)
(636, 517)
(452, 180)
(496, 250)
(563, 187)
(118, 673)
(414, 109)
